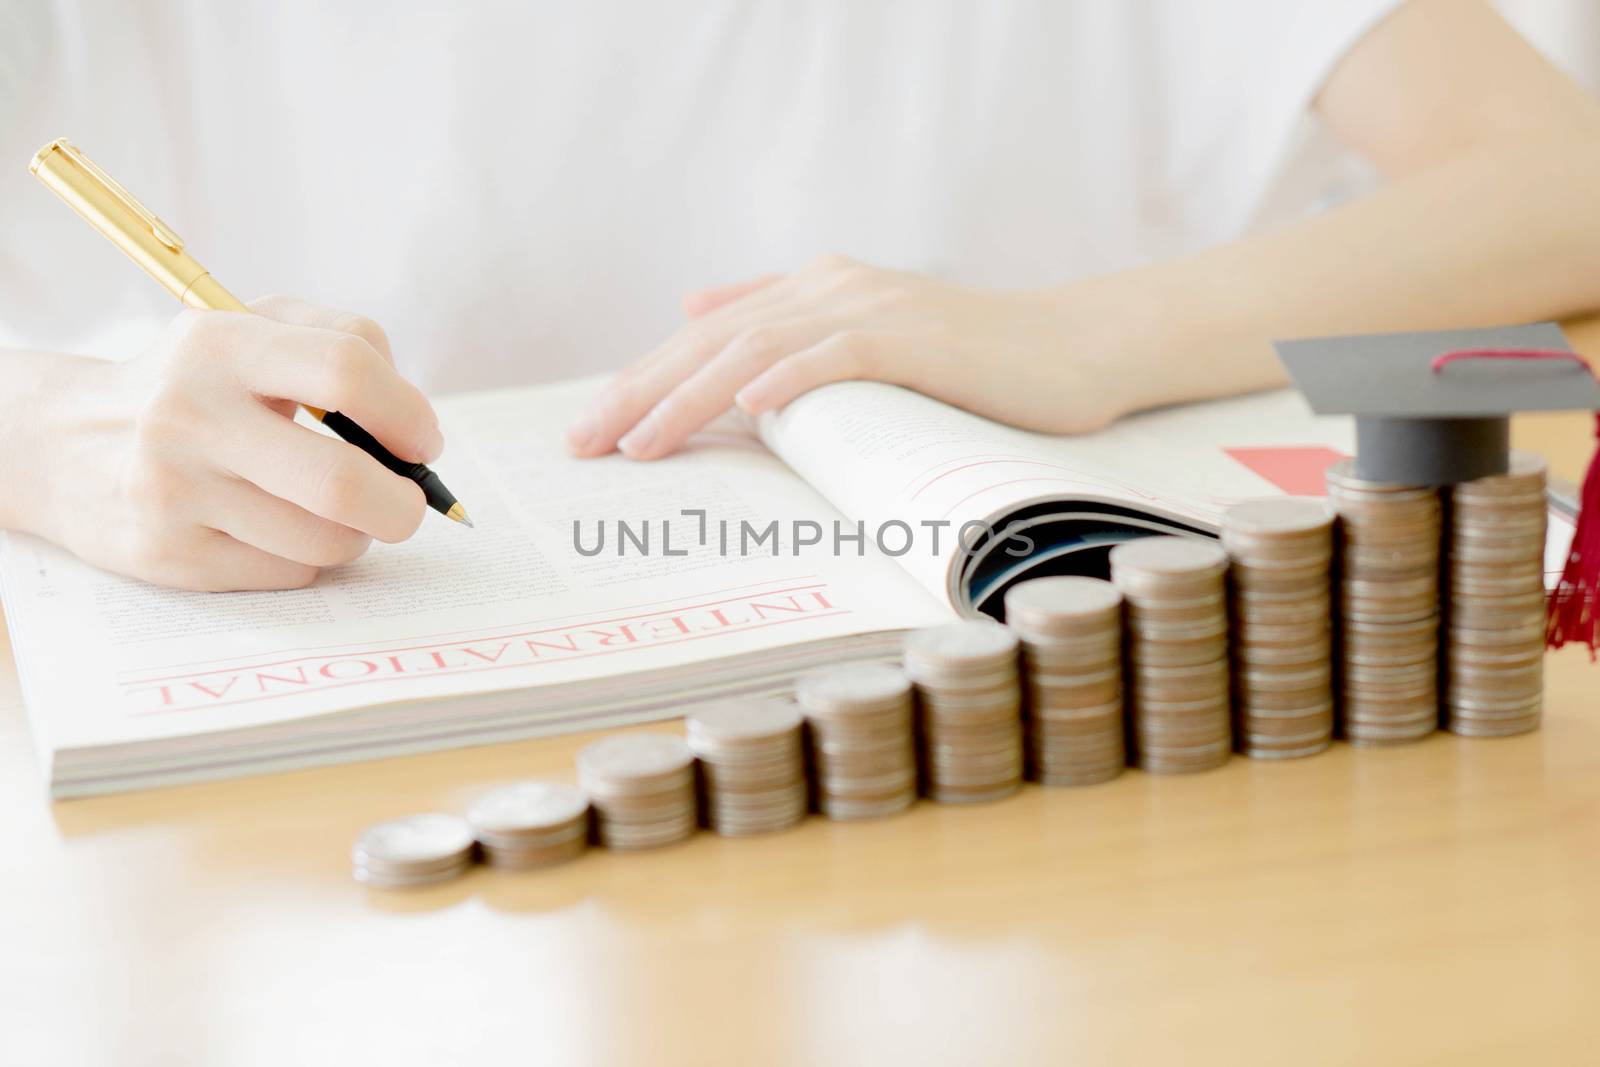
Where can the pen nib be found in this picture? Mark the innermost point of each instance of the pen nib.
(459, 514)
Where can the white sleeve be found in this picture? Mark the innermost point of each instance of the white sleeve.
(1242, 80)
(27, 47)
(69, 69)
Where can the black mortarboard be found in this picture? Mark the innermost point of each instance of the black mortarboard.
(1434, 408)
(1426, 420)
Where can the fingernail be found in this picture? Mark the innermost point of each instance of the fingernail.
(580, 435)
(750, 399)
(637, 441)
(434, 446)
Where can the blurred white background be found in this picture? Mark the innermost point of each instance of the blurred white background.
(1568, 31)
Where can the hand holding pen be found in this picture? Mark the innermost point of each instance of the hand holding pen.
(188, 469)
(196, 475)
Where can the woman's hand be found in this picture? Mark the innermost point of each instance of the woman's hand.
(1033, 359)
(184, 466)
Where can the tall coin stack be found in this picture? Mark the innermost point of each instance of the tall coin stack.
(969, 705)
(862, 746)
(1177, 620)
(1494, 636)
(1388, 607)
(752, 766)
(1281, 558)
(1071, 631)
(642, 789)
(531, 824)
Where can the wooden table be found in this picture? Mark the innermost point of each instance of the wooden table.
(1438, 903)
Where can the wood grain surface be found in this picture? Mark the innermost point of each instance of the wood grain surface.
(1438, 903)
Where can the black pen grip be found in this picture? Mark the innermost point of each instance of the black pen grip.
(439, 498)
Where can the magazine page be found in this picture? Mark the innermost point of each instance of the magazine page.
(525, 599)
(888, 456)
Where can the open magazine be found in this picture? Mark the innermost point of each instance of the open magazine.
(605, 591)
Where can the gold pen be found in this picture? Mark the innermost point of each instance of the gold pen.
(151, 243)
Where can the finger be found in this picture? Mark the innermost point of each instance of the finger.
(704, 301)
(318, 473)
(275, 526)
(722, 323)
(296, 312)
(216, 563)
(709, 391)
(630, 395)
(341, 372)
(844, 356)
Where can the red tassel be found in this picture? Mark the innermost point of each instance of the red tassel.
(1574, 604)
(1575, 601)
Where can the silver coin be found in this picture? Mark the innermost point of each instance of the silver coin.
(528, 807)
(842, 810)
(1279, 517)
(1526, 473)
(847, 687)
(1063, 604)
(634, 756)
(415, 841)
(1311, 710)
(1159, 559)
(379, 879)
(970, 643)
(742, 722)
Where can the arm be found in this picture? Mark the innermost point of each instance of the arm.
(1491, 211)
(1493, 161)
(33, 382)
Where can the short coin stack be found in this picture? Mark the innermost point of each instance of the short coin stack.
(531, 824)
(1281, 556)
(1177, 621)
(1071, 631)
(863, 749)
(1388, 607)
(1494, 636)
(412, 851)
(969, 706)
(642, 789)
(752, 766)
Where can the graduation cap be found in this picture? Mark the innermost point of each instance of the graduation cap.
(1434, 408)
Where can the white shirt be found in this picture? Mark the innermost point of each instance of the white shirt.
(523, 191)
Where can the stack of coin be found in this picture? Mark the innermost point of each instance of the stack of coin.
(531, 824)
(752, 766)
(1388, 607)
(969, 708)
(1071, 631)
(862, 746)
(1280, 552)
(1177, 613)
(1494, 633)
(411, 851)
(642, 789)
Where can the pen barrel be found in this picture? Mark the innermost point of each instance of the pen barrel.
(439, 498)
(103, 209)
(206, 292)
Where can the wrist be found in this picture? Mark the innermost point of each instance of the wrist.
(1170, 333)
(54, 411)
(1118, 337)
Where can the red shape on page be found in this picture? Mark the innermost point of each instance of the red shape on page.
(1298, 471)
